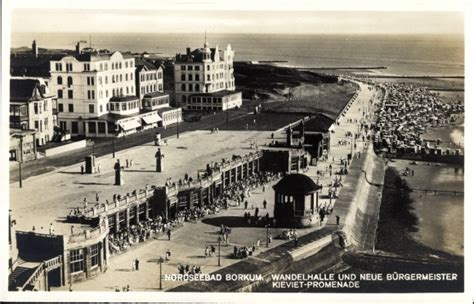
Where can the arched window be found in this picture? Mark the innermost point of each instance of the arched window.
(69, 81)
(183, 87)
(60, 80)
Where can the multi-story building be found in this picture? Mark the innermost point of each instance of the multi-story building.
(85, 83)
(149, 78)
(32, 108)
(204, 79)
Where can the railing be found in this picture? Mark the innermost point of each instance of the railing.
(44, 266)
(171, 189)
(88, 234)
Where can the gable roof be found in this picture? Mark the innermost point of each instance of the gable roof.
(26, 90)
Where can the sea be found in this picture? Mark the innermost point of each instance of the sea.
(401, 54)
(441, 219)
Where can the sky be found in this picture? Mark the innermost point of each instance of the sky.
(237, 21)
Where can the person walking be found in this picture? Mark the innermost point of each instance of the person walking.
(246, 204)
(98, 167)
(168, 255)
(264, 204)
(137, 264)
(169, 234)
(337, 220)
(82, 169)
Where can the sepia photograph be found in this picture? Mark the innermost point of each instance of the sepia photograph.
(179, 147)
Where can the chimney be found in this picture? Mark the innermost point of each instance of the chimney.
(188, 51)
(78, 48)
(34, 48)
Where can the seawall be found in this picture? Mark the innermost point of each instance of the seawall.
(359, 200)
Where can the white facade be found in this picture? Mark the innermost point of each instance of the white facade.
(85, 83)
(149, 80)
(203, 71)
(35, 112)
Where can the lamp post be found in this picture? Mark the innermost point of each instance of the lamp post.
(177, 125)
(113, 146)
(160, 261)
(266, 226)
(219, 240)
(19, 171)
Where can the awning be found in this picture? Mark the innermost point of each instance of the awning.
(149, 119)
(129, 125)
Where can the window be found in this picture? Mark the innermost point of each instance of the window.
(160, 75)
(126, 77)
(208, 67)
(36, 125)
(70, 95)
(59, 80)
(69, 67)
(91, 108)
(35, 105)
(160, 87)
(196, 68)
(120, 77)
(59, 67)
(101, 66)
(87, 67)
(93, 94)
(131, 76)
(91, 126)
(101, 127)
(183, 68)
(71, 107)
(60, 107)
(183, 77)
(196, 77)
(74, 127)
(88, 94)
(69, 81)
(77, 260)
(46, 122)
(126, 64)
(113, 78)
(183, 98)
(45, 105)
(111, 106)
(197, 88)
(106, 79)
(101, 109)
(106, 66)
(190, 67)
(183, 87)
(106, 93)
(190, 87)
(124, 106)
(208, 77)
(190, 77)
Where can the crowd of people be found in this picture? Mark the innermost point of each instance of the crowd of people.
(190, 270)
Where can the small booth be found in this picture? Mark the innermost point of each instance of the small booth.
(296, 201)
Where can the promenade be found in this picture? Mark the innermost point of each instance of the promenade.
(50, 197)
(189, 241)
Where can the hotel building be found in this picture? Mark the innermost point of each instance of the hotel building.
(204, 79)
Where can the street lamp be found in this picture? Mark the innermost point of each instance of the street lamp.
(177, 125)
(219, 240)
(160, 261)
(266, 226)
(19, 171)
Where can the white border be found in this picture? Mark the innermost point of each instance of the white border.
(295, 5)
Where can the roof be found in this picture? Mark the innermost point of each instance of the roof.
(26, 89)
(141, 64)
(218, 94)
(296, 183)
(124, 98)
(166, 109)
(155, 94)
(320, 123)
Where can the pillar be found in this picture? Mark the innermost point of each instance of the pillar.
(137, 214)
(117, 221)
(127, 217)
(147, 215)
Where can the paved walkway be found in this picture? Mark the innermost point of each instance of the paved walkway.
(188, 242)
